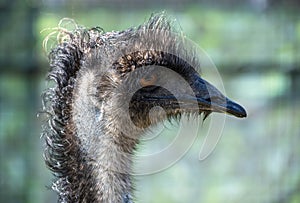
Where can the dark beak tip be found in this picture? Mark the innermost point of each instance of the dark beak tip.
(236, 109)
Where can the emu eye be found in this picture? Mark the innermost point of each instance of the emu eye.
(148, 80)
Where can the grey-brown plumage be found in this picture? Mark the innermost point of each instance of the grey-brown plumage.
(106, 84)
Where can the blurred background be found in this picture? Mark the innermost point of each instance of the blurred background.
(255, 44)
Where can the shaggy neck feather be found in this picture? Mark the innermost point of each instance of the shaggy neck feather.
(107, 156)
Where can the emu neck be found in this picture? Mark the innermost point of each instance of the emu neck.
(108, 154)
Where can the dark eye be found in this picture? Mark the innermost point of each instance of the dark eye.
(148, 80)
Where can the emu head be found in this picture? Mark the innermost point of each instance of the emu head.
(152, 65)
(106, 87)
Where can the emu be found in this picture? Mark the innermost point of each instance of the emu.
(105, 86)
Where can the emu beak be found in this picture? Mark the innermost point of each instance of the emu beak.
(210, 98)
